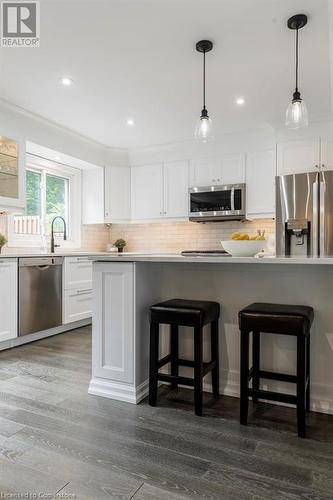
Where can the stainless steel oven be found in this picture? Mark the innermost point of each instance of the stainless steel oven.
(217, 203)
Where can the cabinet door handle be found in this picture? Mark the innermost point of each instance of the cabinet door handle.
(81, 292)
(316, 166)
(323, 165)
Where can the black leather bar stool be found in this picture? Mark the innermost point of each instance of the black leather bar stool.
(279, 319)
(180, 312)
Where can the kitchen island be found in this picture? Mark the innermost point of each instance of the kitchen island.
(124, 286)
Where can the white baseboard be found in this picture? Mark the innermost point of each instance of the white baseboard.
(131, 394)
(7, 344)
(321, 399)
(118, 390)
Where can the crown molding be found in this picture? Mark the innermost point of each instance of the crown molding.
(40, 119)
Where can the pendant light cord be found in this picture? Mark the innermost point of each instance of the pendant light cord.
(296, 60)
(204, 80)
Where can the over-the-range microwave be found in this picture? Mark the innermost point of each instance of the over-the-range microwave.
(217, 203)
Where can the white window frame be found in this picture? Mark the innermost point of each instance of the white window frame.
(74, 201)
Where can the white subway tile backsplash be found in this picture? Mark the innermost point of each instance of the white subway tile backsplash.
(178, 236)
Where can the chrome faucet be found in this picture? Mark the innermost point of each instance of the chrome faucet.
(53, 246)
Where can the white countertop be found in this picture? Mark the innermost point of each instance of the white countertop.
(176, 257)
(59, 253)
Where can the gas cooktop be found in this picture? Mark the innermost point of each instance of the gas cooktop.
(205, 253)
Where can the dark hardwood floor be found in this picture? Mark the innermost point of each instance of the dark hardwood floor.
(57, 440)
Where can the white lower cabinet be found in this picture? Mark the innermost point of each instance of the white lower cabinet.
(77, 293)
(8, 298)
(77, 272)
(77, 305)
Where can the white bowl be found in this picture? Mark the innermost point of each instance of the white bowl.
(243, 248)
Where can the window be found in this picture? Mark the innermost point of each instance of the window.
(51, 191)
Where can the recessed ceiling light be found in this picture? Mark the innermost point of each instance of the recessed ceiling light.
(130, 122)
(240, 101)
(66, 81)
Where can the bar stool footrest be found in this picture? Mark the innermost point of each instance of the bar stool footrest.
(282, 377)
(175, 379)
(273, 396)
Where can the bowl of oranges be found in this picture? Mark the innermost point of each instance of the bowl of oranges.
(244, 245)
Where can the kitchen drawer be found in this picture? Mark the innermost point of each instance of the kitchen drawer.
(77, 304)
(77, 273)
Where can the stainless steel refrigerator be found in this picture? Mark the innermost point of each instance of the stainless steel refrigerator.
(304, 214)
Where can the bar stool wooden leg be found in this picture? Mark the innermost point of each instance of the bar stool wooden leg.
(308, 373)
(244, 376)
(256, 362)
(214, 346)
(301, 377)
(174, 352)
(198, 348)
(153, 362)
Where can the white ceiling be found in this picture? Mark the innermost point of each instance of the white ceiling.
(136, 59)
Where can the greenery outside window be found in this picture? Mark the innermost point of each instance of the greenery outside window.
(50, 192)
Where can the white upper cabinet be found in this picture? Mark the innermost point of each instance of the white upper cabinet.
(147, 192)
(175, 183)
(93, 196)
(326, 154)
(117, 194)
(298, 157)
(12, 175)
(205, 172)
(160, 191)
(233, 169)
(214, 171)
(8, 298)
(260, 184)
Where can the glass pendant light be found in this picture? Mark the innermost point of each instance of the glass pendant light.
(297, 113)
(204, 130)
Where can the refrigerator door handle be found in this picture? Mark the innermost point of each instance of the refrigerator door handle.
(322, 194)
(315, 217)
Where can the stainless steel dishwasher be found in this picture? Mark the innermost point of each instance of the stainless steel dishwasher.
(40, 294)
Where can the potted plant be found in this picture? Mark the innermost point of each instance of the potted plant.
(120, 244)
(3, 241)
